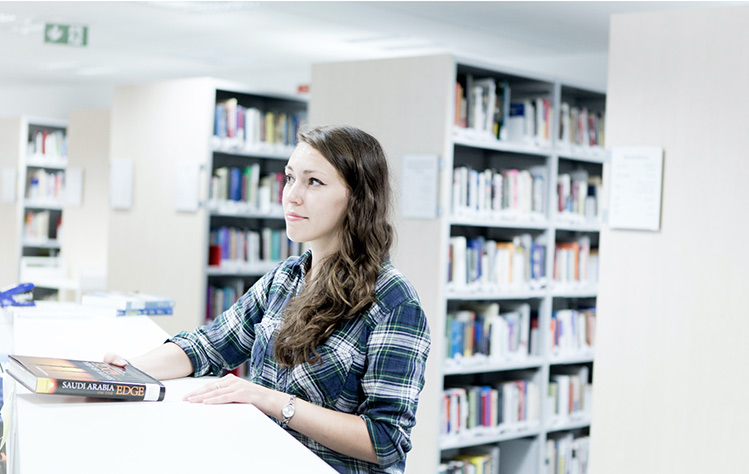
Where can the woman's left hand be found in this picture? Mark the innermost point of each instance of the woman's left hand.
(227, 389)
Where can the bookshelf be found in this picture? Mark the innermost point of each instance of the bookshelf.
(34, 158)
(166, 126)
(418, 111)
(254, 135)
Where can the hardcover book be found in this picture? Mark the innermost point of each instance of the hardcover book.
(84, 378)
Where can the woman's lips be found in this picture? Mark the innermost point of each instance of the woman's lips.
(291, 216)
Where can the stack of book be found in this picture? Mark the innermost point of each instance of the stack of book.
(126, 303)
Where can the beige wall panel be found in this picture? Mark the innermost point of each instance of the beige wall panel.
(152, 247)
(85, 227)
(669, 385)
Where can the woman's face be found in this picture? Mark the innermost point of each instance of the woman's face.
(315, 198)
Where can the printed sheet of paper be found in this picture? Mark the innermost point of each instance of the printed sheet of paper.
(636, 188)
(121, 184)
(186, 187)
(420, 184)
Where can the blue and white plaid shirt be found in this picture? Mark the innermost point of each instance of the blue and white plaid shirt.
(372, 366)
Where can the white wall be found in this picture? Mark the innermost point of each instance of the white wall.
(670, 391)
(52, 101)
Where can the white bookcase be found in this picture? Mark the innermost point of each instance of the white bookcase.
(34, 158)
(153, 247)
(246, 222)
(410, 105)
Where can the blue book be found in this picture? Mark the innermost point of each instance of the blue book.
(456, 338)
(235, 184)
(517, 109)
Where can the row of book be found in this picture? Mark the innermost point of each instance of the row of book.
(238, 246)
(42, 225)
(578, 196)
(507, 194)
(475, 460)
(46, 144)
(567, 455)
(481, 264)
(250, 128)
(261, 192)
(473, 410)
(580, 126)
(220, 298)
(485, 109)
(479, 332)
(573, 331)
(570, 395)
(45, 185)
(575, 264)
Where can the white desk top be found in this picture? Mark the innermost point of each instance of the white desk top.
(66, 434)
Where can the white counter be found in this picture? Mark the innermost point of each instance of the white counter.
(67, 434)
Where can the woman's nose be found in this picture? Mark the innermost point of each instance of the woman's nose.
(292, 193)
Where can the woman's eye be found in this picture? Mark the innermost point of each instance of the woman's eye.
(288, 178)
(315, 182)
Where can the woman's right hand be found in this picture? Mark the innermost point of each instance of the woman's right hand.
(115, 359)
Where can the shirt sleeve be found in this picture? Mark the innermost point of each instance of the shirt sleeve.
(396, 353)
(227, 341)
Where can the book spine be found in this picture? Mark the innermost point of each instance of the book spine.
(107, 389)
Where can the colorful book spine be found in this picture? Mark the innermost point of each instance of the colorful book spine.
(249, 128)
(487, 265)
(509, 194)
(474, 410)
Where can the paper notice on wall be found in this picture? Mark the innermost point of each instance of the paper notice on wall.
(186, 187)
(636, 188)
(8, 185)
(121, 184)
(419, 186)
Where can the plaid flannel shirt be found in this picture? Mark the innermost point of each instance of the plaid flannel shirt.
(372, 366)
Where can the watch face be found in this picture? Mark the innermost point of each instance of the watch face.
(288, 411)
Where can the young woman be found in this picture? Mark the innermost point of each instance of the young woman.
(336, 340)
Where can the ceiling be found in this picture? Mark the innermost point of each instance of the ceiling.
(274, 42)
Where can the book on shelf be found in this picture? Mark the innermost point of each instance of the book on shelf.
(235, 247)
(580, 127)
(47, 144)
(241, 128)
(575, 264)
(573, 332)
(475, 460)
(482, 107)
(509, 194)
(479, 333)
(567, 454)
(578, 194)
(529, 122)
(49, 375)
(480, 264)
(570, 394)
(490, 409)
(43, 185)
(126, 303)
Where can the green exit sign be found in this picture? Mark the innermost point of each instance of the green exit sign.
(72, 35)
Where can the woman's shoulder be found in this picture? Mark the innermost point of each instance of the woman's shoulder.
(393, 288)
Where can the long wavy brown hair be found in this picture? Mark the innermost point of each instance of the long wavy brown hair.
(345, 282)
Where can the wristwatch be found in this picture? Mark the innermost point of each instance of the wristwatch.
(288, 411)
